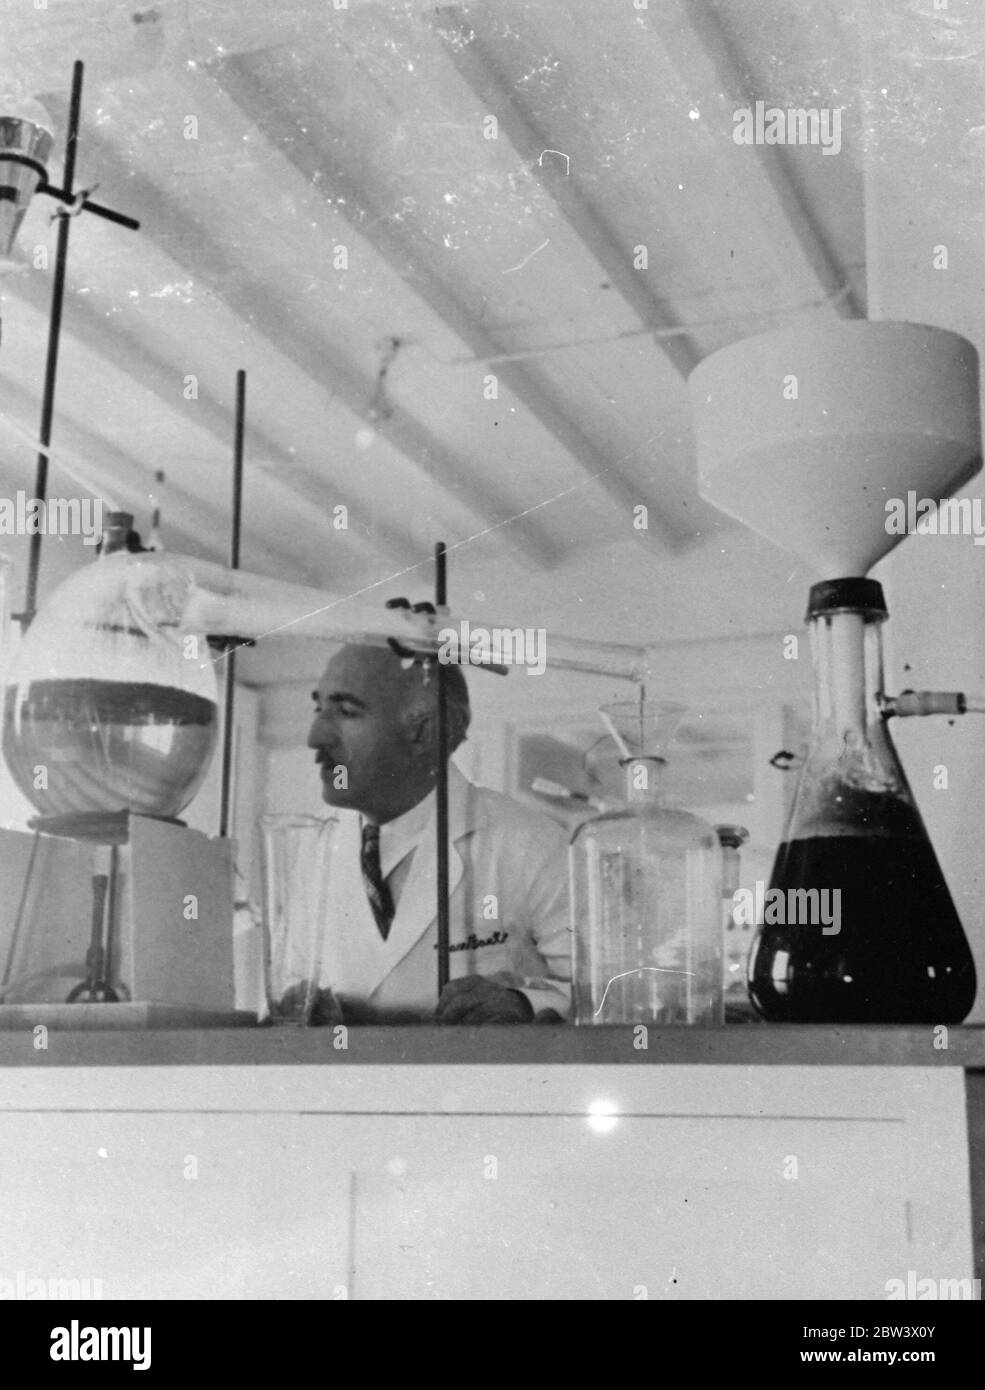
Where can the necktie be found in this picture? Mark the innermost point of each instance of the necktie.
(376, 890)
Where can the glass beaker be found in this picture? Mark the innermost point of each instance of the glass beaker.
(109, 705)
(295, 868)
(646, 894)
(858, 925)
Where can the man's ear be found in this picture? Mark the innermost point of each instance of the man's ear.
(423, 731)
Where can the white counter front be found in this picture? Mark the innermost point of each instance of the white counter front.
(335, 1177)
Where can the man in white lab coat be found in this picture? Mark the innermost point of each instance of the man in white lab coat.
(374, 740)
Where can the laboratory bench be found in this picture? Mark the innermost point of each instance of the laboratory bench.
(742, 1044)
(755, 1160)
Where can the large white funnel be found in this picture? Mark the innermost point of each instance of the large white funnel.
(805, 433)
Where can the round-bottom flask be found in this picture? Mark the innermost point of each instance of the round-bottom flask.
(105, 709)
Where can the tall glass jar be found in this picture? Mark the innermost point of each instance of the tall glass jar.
(646, 896)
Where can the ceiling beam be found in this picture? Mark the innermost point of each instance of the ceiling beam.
(419, 266)
(731, 77)
(725, 66)
(186, 238)
(129, 354)
(495, 91)
(126, 38)
(124, 477)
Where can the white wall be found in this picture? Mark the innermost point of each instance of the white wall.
(374, 1181)
(935, 591)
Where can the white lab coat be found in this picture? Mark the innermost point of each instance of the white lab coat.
(509, 919)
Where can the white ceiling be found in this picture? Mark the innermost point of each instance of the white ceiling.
(316, 128)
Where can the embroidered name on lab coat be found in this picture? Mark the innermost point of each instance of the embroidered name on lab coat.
(474, 942)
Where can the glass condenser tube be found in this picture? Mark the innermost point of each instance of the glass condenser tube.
(210, 598)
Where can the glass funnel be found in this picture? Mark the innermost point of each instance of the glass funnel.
(109, 705)
(857, 925)
(25, 144)
(646, 893)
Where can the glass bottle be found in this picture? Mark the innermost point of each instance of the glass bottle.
(858, 925)
(646, 896)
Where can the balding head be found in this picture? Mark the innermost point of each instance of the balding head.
(375, 729)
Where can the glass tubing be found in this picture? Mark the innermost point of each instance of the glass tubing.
(206, 597)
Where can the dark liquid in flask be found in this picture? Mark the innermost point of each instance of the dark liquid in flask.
(900, 955)
(108, 745)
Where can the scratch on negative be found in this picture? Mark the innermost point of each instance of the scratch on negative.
(456, 545)
(526, 258)
(660, 970)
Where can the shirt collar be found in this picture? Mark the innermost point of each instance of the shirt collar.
(402, 834)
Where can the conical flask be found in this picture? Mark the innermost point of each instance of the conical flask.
(646, 894)
(857, 925)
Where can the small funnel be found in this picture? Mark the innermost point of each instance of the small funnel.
(642, 728)
(805, 433)
(25, 144)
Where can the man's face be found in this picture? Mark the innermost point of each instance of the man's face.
(361, 726)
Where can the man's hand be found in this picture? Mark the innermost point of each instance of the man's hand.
(474, 999)
(325, 1008)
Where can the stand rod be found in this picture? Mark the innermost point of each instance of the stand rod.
(229, 689)
(54, 339)
(441, 789)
